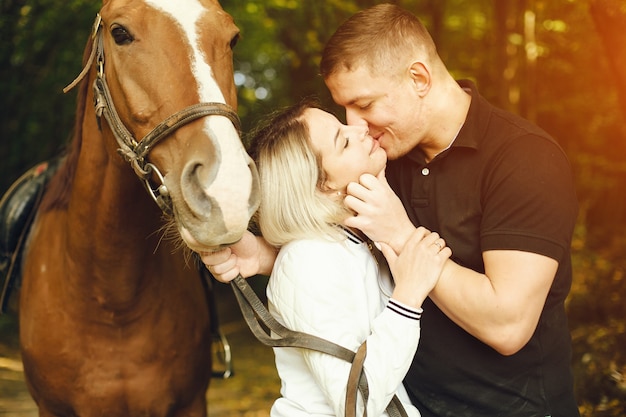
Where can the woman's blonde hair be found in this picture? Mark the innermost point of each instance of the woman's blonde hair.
(294, 201)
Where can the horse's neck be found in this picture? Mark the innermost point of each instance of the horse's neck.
(113, 226)
(111, 204)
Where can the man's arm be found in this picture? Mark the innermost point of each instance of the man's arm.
(502, 306)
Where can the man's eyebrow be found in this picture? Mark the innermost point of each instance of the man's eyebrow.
(356, 100)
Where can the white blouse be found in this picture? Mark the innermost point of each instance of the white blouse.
(336, 290)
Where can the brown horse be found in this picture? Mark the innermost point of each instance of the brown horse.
(114, 320)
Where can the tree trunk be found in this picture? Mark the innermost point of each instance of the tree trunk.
(609, 17)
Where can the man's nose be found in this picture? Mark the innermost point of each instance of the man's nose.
(354, 119)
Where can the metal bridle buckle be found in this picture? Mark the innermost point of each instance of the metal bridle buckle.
(161, 195)
(220, 350)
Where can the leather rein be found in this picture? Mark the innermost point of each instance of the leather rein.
(133, 151)
(271, 333)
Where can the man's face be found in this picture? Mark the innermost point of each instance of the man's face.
(388, 105)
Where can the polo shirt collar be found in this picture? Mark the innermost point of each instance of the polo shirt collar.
(473, 128)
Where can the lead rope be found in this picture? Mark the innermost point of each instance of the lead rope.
(257, 316)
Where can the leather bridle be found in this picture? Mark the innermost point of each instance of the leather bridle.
(133, 151)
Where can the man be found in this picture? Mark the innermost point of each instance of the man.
(499, 190)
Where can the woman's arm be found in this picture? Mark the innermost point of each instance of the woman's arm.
(321, 290)
(338, 300)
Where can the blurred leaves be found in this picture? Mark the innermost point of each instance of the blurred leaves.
(597, 315)
(41, 44)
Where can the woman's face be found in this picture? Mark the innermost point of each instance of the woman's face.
(346, 152)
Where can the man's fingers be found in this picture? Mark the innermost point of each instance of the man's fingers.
(381, 175)
(355, 222)
(368, 181)
(388, 252)
(355, 203)
(357, 191)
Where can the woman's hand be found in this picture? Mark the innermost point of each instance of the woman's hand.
(250, 256)
(417, 268)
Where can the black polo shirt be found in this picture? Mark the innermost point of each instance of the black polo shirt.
(503, 184)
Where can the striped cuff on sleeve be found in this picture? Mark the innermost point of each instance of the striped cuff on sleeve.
(403, 310)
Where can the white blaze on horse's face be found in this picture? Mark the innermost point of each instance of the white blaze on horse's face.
(229, 181)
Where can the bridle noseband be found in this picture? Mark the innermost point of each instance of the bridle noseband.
(133, 151)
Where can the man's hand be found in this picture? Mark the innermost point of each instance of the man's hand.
(379, 212)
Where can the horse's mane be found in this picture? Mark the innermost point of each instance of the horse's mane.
(58, 190)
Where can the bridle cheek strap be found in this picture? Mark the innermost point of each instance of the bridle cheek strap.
(136, 152)
(133, 151)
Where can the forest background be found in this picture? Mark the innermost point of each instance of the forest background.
(559, 63)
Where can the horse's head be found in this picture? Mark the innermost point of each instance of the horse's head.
(161, 57)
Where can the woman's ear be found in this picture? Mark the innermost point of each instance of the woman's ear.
(421, 77)
(332, 191)
(329, 189)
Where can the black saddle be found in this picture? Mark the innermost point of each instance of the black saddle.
(17, 211)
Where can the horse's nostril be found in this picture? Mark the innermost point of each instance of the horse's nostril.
(203, 174)
(222, 196)
(196, 179)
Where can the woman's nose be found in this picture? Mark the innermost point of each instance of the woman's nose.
(365, 132)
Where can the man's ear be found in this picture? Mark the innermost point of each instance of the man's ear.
(421, 77)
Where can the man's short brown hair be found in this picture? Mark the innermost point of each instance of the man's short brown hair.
(380, 37)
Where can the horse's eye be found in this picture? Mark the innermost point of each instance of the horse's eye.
(234, 40)
(121, 35)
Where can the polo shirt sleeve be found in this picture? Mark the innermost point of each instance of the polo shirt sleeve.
(529, 200)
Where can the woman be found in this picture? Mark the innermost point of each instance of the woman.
(325, 280)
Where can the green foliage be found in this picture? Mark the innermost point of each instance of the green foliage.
(599, 369)
(276, 61)
(596, 311)
(41, 46)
